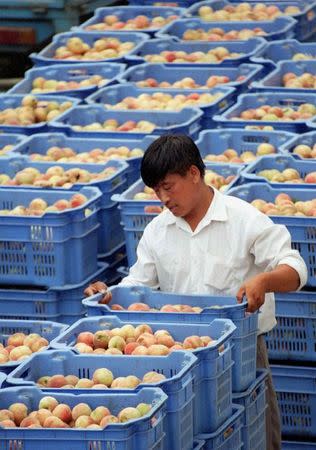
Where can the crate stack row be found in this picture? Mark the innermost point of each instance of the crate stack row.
(95, 99)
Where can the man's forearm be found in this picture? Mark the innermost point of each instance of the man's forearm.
(282, 279)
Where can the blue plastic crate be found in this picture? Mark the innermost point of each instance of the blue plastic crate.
(10, 139)
(279, 162)
(273, 82)
(228, 436)
(244, 339)
(253, 101)
(218, 140)
(110, 233)
(145, 433)
(296, 392)
(135, 218)
(307, 139)
(46, 56)
(155, 46)
(47, 304)
(198, 445)
(3, 378)
(294, 445)
(40, 143)
(114, 259)
(293, 338)
(114, 94)
(177, 367)
(162, 72)
(186, 121)
(14, 101)
(48, 330)
(40, 250)
(302, 229)
(254, 423)
(283, 50)
(67, 72)
(280, 28)
(125, 13)
(212, 373)
(306, 19)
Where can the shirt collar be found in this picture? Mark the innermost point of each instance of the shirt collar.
(216, 212)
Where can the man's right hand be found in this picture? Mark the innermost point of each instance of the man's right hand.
(99, 288)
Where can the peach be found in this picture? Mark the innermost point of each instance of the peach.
(84, 383)
(48, 402)
(143, 328)
(99, 386)
(107, 420)
(83, 348)
(138, 307)
(146, 339)
(168, 308)
(16, 339)
(99, 413)
(206, 340)
(117, 342)
(128, 413)
(166, 340)
(83, 421)
(19, 411)
(6, 414)
(28, 421)
(31, 338)
(99, 351)
(128, 331)
(78, 200)
(158, 350)
(176, 347)
(102, 376)
(7, 423)
(310, 178)
(113, 351)
(71, 379)
(116, 307)
(143, 408)
(192, 342)
(63, 412)
(86, 337)
(42, 415)
(54, 422)
(81, 409)
(56, 381)
(141, 350)
(39, 344)
(153, 377)
(101, 339)
(130, 347)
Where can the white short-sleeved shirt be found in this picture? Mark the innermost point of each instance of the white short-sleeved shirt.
(232, 243)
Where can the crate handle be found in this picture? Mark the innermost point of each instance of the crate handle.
(228, 432)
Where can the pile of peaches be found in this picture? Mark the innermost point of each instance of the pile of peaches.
(140, 22)
(188, 82)
(20, 346)
(305, 81)
(52, 414)
(140, 340)
(277, 113)
(244, 12)
(215, 55)
(284, 205)
(288, 175)
(231, 156)
(129, 126)
(42, 85)
(218, 34)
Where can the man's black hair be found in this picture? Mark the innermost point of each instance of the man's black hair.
(170, 154)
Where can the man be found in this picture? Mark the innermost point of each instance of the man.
(207, 242)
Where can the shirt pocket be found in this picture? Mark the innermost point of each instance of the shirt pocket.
(220, 276)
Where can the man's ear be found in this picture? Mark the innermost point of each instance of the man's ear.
(195, 174)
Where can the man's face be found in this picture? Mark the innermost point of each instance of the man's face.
(179, 193)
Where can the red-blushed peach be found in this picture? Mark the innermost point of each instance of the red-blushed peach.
(56, 381)
(16, 339)
(138, 307)
(6, 414)
(38, 344)
(129, 348)
(107, 420)
(7, 423)
(83, 348)
(63, 412)
(81, 409)
(20, 351)
(166, 340)
(28, 421)
(192, 342)
(146, 339)
(42, 415)
(19, 411)
(168, 308)
(116, 307)
(86, 337)
(54, 422)
(84, 383)
(143, 328)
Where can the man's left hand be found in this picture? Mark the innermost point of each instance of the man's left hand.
(254, 290)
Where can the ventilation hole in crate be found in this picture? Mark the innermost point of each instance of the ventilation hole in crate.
(15, 445)
(40, 307)
(256, 139)
(95, 445)
(310, 233)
